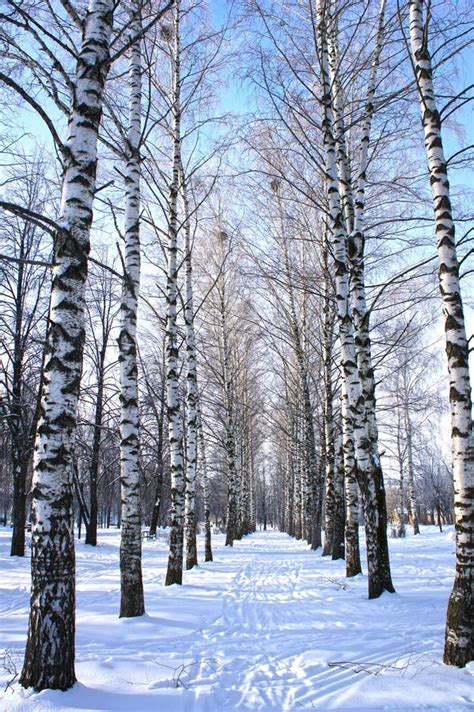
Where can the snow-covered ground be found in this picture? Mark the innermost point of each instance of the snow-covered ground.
(269, 625)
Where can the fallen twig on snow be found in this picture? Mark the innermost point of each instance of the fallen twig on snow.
(10, 666)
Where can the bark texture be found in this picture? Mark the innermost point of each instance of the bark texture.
(351, 493)
(160, 418)
(206, 492)
(339, 509)
(91, 527)
(368, 461)
(174, 572)
(49, 656)
(459, 641)
(192, 394)
(131, 581)
(410, 472)
(232, 516)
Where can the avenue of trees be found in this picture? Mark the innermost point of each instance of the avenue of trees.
(232, 279)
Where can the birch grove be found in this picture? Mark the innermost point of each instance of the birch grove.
(220, 303)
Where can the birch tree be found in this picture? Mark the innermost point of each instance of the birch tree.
(205, 483)
(459, 642)
(182, 113)
(368, 460)
(192, 394)
(309, 467)
(328, 414)
(77, 93)
(231, 401)
(101, 312)
(49, 656)
(351, 543)
(174, 572)
(229, 395)
(339, 508)
(24, 276)
(131, 580)
(156, 398)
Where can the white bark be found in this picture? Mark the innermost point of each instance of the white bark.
(328, 415)
(369, 468)
(410, 472)
(245, 523)
(290, 471)
(459, 643)
(339, 509)
(360, 309)
(354, 212)
(205, 486)
(299, 498)
(175, 429)
(131, 582)
(49, 656)
(192, 394)
(351, 535)
(233, 485)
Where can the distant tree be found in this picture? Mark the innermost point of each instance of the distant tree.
(101, 309)
(25, 277)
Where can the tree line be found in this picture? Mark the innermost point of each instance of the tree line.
(200, 306)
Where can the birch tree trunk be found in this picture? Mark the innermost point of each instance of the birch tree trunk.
(91, 528)
(297, 477)
(232, 516)
(368, 461)
(339, 509)
(252, 502)
(290, 474)
(361, 313)
(245, 449)
(26, 288)
(174, 572)
(400, 452)
(131, 581)
(410, 473)
(328, 327)
(309, 467)
(353, 208)
(191, 389)
(330, 497)
(205, 485)
(19, 458)
(49, 656)
(160, 417)
(459, 642)
(351, 538)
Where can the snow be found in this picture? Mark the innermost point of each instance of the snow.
(269, 625)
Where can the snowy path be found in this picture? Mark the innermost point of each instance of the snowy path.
(268, 625)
